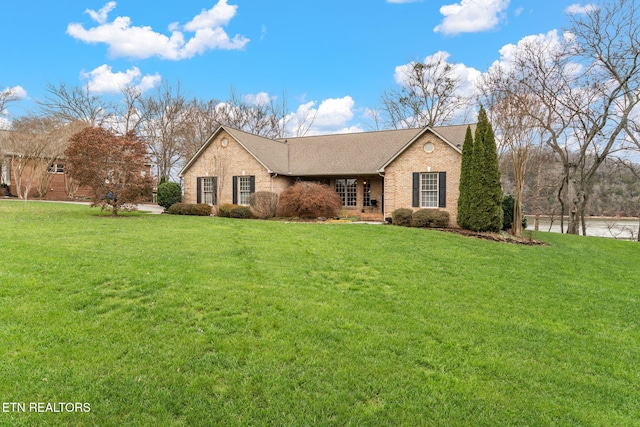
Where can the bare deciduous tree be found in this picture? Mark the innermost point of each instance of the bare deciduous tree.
(75, 103)
(430, 94)
(516, 132)
(165, 112)
(607, 40)
(32, 145)
(7, 96)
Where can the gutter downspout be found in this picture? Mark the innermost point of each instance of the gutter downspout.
(382, 204)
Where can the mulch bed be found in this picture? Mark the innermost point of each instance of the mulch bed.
(496, 237)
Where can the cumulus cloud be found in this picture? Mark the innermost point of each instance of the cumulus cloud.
(125, 39)
(552, 40)
(466, 75)
(104, 80)
(259, 99)
(577, 8)
(331, 116)
(471, 16)
(17, 92)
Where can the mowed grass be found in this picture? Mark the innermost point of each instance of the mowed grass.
(168, 320)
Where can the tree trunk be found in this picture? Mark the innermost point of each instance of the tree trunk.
(516, 227)
(576, 198)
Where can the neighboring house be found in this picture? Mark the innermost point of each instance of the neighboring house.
(45, 178)
(49, 180)
(374, 173)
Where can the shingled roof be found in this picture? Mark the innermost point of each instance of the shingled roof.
(363, 153)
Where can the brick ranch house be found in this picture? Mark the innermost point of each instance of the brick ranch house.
(54, 183)
(374, 173)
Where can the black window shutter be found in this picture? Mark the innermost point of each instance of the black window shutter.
(442, 190)
(215, 190)
(235, 190)
(252, 184)
(416, 190)
(198, 190)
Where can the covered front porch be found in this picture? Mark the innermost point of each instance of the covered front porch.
(361, 196)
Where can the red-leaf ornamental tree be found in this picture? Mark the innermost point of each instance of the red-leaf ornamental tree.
(113, 166)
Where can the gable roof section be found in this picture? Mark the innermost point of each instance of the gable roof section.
(272, 154)
(364, 153)
(354, 153)
(451, 135)
(269, 153)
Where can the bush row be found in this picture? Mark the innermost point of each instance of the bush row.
(199, 209)
(234, 211)
(303, 200)
(423, 218)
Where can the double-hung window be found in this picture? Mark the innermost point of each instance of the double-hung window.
(56, 168)
(244, 189)
(428, 190)
(209, 190)
(243, 186)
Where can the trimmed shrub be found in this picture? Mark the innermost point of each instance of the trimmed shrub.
(224, 210)
(422, 218)
(402, 217)
(264, 204)
(175, 209)
(440, 219)
(168, 194)
(309, 200)
(199, 209)
(243, 212)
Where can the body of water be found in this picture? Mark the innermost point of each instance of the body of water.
(616, 228)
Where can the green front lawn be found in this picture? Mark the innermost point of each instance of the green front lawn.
(172, 320)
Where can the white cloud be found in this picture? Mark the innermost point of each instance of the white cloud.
(577, 8)
(18, 92)
(518, 11)
(104, 80)
(259, 99)
(331, 116)
(127, 40)
(551, 40)
(101, 16)
(335, 112)
(471, 16)
(218, 16)
(467, 75)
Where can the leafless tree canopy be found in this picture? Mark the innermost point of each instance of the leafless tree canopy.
(579, 93)
(7, 96)
(75, 103)
(33, 144)
(429, 95)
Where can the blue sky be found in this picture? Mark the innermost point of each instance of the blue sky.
(333, 56)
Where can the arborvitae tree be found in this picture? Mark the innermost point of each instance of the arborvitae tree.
(466, 179)
(486, 207)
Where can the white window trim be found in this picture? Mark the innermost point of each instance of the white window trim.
(424, 191)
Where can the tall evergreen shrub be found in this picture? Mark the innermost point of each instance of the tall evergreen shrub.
(466, 178)
(486, 205)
